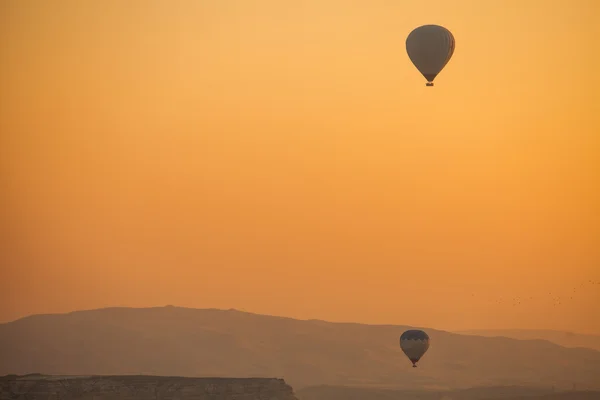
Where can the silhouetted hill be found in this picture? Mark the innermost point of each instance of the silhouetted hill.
(139, 387)
(566, 339)
(192, 342)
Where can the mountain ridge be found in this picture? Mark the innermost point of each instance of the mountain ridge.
(183, 341)
(562, 338)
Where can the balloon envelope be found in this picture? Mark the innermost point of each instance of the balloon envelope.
(414, 343)
(430, 47)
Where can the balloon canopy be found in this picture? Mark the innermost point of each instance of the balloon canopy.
(430, 47)
(414, 343)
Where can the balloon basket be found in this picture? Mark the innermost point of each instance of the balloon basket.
(429, 84)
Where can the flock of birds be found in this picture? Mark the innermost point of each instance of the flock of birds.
(556, 299)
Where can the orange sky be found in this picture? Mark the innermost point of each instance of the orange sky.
(286, 158)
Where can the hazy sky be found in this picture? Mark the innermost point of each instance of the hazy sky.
(286, 158)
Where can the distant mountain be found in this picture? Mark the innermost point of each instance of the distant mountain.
(566, 339)
(177, 341)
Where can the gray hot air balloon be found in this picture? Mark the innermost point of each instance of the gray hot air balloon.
(414, 343)
(430, 47)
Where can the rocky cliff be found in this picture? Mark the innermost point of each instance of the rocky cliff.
(41, 387)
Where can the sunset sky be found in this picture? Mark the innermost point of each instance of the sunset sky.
(285, 157)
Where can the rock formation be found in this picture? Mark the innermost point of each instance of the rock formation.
(127, 387)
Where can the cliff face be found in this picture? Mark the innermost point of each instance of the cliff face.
(39, 387)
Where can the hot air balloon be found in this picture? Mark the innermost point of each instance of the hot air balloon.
(430, 47)
(414, 343)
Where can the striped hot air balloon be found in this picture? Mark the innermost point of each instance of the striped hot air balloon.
(430, 47)
(414, 343)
